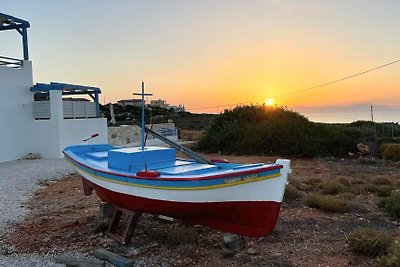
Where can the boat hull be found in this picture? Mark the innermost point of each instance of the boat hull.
(248, 218)
(240, 199)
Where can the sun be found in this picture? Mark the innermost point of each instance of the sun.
(269, 102)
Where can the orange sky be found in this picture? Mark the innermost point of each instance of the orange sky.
(213, 53)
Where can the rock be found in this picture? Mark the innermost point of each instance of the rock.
(252, 251)
(363, 149)
(232, 244)
(165, 264)
(113, 258)
(31, 156)
(106, 211)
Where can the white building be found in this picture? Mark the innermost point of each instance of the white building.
(35, 119)
(130, 102)
(158, 103)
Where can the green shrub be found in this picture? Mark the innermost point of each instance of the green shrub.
(390, 151)
(334, 187)
(261, 130)
(384, 190)
(391, 204)
(291, 192)
(327, 203)
(382, 203)
(369, 242)
(392, 259)
(380, 190)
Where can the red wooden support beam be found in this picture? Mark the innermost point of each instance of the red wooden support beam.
(126, 236)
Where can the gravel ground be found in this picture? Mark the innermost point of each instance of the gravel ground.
(18, 179)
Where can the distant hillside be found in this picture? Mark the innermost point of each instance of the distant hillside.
(183, 120)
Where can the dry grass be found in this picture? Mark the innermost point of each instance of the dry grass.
(334, 187)
(380, 190)
(390, 152)
(381, 181)
(369, 241)
(327, 203)
(291, 192)
(191, 135)
(392, 258)
(177, 234)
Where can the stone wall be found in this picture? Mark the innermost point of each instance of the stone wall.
(129, 134)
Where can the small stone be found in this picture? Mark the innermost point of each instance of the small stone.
(251, 251)
(164, 264)
(232, 244)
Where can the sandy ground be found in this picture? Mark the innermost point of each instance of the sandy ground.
(62, 219)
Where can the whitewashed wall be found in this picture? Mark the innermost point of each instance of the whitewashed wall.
(73, 131)
(15, 112)
(20, 134)
(53, 135)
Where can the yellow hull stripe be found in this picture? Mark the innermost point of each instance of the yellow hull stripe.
(176, 188)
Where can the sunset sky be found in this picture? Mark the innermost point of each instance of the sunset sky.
(210, 53)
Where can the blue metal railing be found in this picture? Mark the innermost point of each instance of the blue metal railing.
(10, 62)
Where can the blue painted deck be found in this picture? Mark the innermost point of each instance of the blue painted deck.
(121, 165)
(129, 161)
(132, 160)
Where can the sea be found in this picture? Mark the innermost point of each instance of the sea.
(346, 114)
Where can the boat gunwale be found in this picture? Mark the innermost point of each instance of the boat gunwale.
(210, 177)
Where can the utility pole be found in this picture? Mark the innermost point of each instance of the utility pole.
(372, 114)
(392, 129)
(372, 119)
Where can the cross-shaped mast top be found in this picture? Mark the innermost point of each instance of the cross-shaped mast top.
(143, 125)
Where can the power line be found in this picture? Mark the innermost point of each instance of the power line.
(308, 88)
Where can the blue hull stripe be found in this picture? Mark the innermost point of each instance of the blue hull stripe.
(179, 185)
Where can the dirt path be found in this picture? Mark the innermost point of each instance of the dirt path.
(63, 219)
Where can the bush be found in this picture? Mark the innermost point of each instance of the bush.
(380, 190)
(291, 192)
(369, 242)
(261, 130)
(384, 190)
(390, 151)
(391, 204)
(327, 203)
(392, 259)
(334, 187)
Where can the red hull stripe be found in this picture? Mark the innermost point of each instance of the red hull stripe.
(274, 167)
(248, 218)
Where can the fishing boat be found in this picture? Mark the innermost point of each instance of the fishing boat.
(243, 199)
